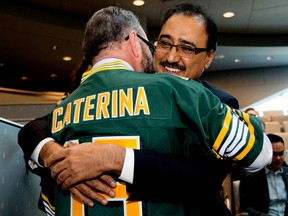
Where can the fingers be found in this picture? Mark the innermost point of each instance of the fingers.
(80, 197)
(101, 187)
(68, 182)
(70, 144)
(64, 175)
(61, 173)
(92, 190)
(58, 156)
(79, 163)
(88, 194)
(63, 169)
(108, 180)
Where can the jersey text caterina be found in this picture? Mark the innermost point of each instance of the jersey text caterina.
(115, 104)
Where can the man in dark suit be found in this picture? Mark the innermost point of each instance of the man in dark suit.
(265, 192)
(165, 169)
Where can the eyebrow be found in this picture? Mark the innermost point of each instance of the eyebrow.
(181, 40)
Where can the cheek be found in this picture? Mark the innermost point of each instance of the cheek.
(156, 61)
(155, 67)
(194, 69)
(157, 56)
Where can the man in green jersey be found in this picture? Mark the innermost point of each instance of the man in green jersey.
(114, 104)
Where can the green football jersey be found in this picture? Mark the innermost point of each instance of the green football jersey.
(160, 112)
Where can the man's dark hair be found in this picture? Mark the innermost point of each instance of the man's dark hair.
(191, 10)
(248, 109)
(275, 138)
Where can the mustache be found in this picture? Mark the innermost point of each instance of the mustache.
(172, 65)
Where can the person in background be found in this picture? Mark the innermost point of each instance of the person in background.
(251, 111)
(201, 33)
(264, 193)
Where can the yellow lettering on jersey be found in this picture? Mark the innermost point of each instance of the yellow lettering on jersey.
(125, 102)
(88, 107)
(77, 104)
(125, 141)
(67, 116)
(114, 104)
(141, 102)
(102, 105)
(57, 125)
(132, 208)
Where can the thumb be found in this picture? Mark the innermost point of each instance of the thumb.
(69, 144)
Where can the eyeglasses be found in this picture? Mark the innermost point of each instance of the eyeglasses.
(150, 45)
(183, 50)
(280, 154)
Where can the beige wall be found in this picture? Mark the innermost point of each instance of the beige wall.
(250, 85)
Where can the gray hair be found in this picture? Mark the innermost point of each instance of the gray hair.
(106, 26)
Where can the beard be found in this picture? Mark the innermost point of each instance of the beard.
(146, 62)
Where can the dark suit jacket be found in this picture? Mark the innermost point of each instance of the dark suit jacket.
(161, 177)
(254, 194)
(223, 96)
(199, 178)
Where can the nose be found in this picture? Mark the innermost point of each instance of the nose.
(172, 55)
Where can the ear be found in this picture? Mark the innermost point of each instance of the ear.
(209, 58)
(135, 44)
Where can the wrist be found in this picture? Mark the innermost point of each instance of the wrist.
(116, 157)
(48, 149)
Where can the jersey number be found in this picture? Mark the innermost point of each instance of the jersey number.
(130, 208)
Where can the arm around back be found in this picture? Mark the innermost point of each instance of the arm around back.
(32, 134)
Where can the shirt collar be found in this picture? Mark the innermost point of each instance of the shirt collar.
(107, 64)
(111, 60)
(270, 171)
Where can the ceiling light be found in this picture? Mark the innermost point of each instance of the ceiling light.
(237, 60)
(54, 47)
(220, 56)
(138, 2)
(53, 75)
(228, 14)
(269, 58)
(67, 58)
(24, 78)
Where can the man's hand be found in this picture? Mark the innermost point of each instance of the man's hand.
(84, 162)
(87, 191)
(92, 189)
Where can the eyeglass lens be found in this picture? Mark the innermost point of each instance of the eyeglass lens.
(182, 50)
(282, 153)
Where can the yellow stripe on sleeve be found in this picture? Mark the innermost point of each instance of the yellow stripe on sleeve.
(251, 138)
(223, 132)
(47, 201)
